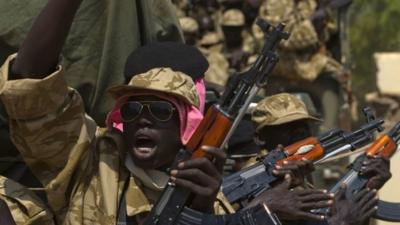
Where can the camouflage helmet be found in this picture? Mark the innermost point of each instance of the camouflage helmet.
(280, 109)
(210, 38)
(189, 24)
(163, 80)
(233, 17)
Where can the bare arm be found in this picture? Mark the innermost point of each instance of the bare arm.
(45, 40)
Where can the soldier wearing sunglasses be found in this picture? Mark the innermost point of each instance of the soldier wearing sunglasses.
(111, 175)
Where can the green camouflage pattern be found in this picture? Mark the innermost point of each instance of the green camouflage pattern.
(80, 165)
(279, 109)
(163, 80)
(25, 207)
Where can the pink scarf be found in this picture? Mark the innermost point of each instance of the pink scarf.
(189, 116)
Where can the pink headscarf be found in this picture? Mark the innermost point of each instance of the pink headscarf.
(189, 116)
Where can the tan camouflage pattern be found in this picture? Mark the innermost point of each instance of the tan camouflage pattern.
(189, 25)
(296, 17)
(80, 165)
(25, 207)
(218, 70)
(299, 56)
(233, 17)
(164, 80)
(279, 109)
(210, 38)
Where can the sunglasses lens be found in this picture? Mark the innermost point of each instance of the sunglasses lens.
(161, 110)
(131, 111)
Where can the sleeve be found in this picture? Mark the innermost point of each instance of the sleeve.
(48, 125)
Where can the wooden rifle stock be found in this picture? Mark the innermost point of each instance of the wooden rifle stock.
(211, 132)
(306, 149)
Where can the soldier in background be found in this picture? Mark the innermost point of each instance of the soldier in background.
(281, 119)
(302, 56)
(190, 29)
(238, 42)
(211, 46)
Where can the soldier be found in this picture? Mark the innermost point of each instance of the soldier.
(305, 60)
(211, 47)
(190, 29)
(283, 119)
(111, 29)
(20, 206)
(113, 175)
(239, 44)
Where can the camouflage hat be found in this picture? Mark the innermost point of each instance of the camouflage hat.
(280, 109)
(189, 25)
(163, 80)
(210, 38)
(233, 17)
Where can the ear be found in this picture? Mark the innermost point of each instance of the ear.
(258, 140)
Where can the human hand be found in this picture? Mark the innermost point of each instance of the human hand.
(377, 169)
(294, 204)
(202, 177)
(354, 211)
(298, 170)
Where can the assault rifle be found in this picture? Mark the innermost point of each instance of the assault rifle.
(384, 146)
(219, 123)
(252, 181)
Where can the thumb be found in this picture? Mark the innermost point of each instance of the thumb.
(287, 182)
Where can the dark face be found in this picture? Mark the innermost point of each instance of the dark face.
(284, 134)
(153, 144)
(233, 36)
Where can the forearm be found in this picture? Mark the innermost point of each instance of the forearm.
(45, 40)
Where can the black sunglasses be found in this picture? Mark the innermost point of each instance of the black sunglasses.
(160, 110)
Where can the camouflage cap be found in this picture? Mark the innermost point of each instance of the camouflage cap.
(280, 109)
(163, 80)
(233, 17)
(210, 38)
(189, 25)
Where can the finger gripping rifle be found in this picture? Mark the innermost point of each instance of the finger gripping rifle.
(219, 123)
(384, 146)
(252, 181)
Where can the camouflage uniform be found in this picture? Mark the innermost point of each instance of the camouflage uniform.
(236, 18)
(280, 109)
(25, 207)
(103, 34)
(300, 55)
(211, 47)
(80, 165)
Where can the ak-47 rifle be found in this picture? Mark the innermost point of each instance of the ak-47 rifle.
(219, 123)
(384, 146)
(252, 181)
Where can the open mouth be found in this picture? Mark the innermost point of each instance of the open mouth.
(144, 147)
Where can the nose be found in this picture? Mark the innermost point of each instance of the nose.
(145, 119)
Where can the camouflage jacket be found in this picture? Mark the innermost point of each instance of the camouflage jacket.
(80, 165)
(25, 207)
(300, 55)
